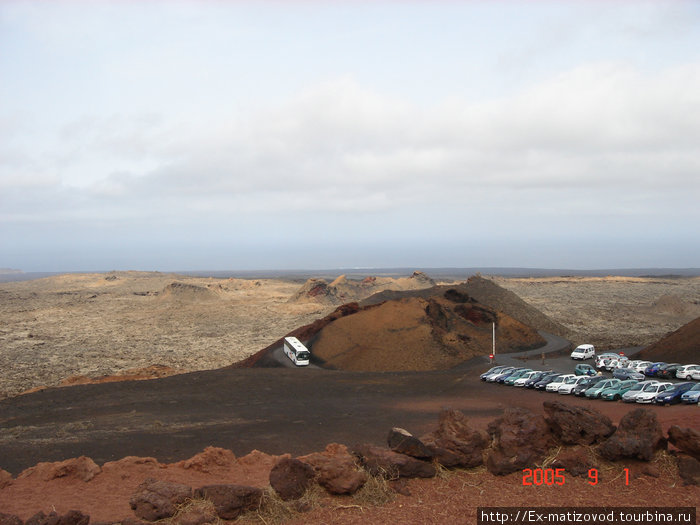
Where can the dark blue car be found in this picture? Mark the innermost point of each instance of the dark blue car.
(653, 368)
(542, 383)
(530, 383)
(672, 395)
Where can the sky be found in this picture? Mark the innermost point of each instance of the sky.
(213, 135)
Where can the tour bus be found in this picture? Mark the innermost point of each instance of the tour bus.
(296, 351)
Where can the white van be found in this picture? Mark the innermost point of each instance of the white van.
(583, 352)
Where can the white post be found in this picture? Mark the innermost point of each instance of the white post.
(494, 339)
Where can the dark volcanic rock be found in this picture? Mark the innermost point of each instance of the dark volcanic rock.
(381, 461)
(577, 426)
(10, 519)
(688, 469)
(231, 500)
(574, 461)
(638, 436)
(155, 500)
(522, 439)
(290, 478)
(403, 442)
(72, 517)
(454, 443)
(685, 439)
(336, 470)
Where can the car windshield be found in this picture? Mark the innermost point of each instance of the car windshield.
(302, 356)
(695, 388)
(570, 380)
(650, 388)
(637, 387)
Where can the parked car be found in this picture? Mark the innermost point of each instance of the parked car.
(692, 395)
(615, 393)
(583, 352)
(525, 377)
(491, 378)
(668, 371)
(672, 395)
(649, 393)
(685, 371)
(570, 383)
(641, 366)
(542, 383)
(595, 391)
(583, 369)
(580, 389)
(501, 378)
(492, 370)
(516, 375)
(616, 362)
(554, 385)
(600, 359)
(695, 374)
(530, 383)
(631, 395)
(627, 373)
(651, 370)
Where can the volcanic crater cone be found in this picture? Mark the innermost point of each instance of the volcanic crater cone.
(416, 333)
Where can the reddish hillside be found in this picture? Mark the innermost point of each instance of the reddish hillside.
(681, 346)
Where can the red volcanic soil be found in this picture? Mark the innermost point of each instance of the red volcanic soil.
(681, 346)
(418, 334)
(326, 407)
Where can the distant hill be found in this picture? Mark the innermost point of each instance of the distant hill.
(681, 346)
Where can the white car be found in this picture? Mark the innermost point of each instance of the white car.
(554, 387)
(583, 352)
(641, 366)
(686, 371)
(631, 395)
(695, 374)
(649, 392)
(604, 358)
(525, 377)
(616, 362)
(570, 384)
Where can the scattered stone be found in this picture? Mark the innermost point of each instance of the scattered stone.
(290, 478)
(688, 469)
(155, 500)
(336, 470)
(638, 436)
(574, 461)
(72, 517)
(684, 439)
(40, 518)
(231, 500)
(522, 439)
(381, 461)
(5, 479)
(82, 468)
(574, 425)
(454, 443)
(403, 442)
(400, 486)
(10, 519)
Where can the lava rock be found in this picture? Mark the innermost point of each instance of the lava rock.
(638, 436)
(381, 461)
(403, 442)
(336, 470)
(574, 425)
(155, 500)
(686, 440)
(290, 478)
(454, 443)
(231, 500)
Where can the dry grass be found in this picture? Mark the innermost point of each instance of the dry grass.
(375, 492)
(274, 510)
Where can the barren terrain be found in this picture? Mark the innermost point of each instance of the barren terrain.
(61, 329)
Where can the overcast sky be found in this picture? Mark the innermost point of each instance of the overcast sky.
(306, 134)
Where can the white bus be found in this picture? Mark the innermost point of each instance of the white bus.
(296, 351)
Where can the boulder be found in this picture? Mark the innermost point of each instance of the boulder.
(521, 440)
(155, 500)
(574, 425)
(684, 439)
(454, 443)
(72, 517)
(403, 442)
(82, 468)
(290, 478)
(209, 459)
(10, 519)
(5, 479)
(688, 469)
(638, 436)
(380, 461)
(231, 500)
(336, 470)
(574, 461)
